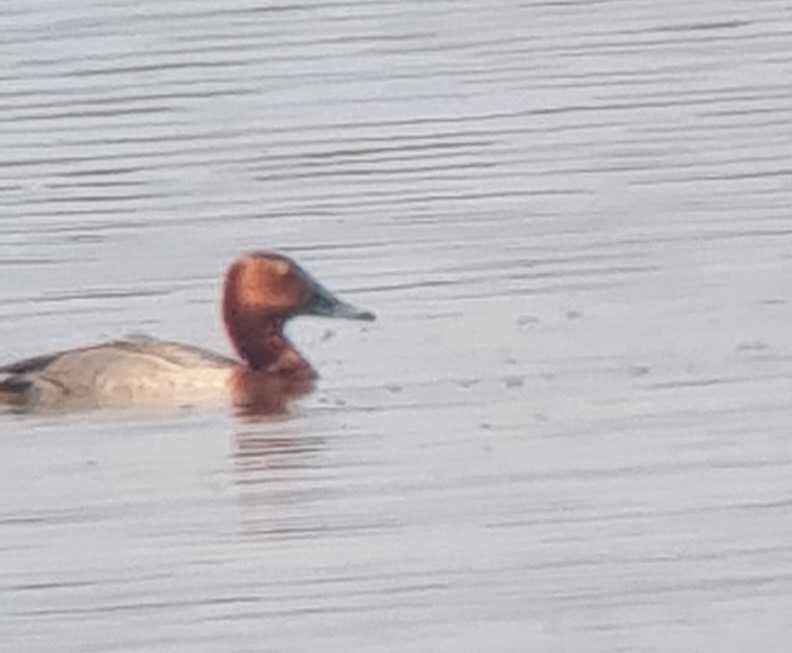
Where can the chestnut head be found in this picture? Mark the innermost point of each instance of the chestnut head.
(273, 286)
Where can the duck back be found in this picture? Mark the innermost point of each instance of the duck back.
(135, 371)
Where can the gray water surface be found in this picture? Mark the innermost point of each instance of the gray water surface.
(567, 431)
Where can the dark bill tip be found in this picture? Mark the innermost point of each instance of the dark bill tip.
(336, 308)
(358, 314)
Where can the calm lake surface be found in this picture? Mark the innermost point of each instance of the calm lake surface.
(569, 429)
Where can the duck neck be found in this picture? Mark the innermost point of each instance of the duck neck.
(263, 345)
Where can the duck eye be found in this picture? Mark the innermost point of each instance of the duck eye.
(281, 268)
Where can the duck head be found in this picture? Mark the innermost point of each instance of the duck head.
(262, 291)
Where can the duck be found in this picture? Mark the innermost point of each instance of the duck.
(261, 292)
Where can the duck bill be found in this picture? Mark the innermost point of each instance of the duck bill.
(325, 303)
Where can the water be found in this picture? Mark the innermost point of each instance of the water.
(568, 429)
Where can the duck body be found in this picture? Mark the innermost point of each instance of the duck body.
(262, 291)
(134, 371)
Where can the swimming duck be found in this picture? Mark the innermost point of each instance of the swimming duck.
(261, 292)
